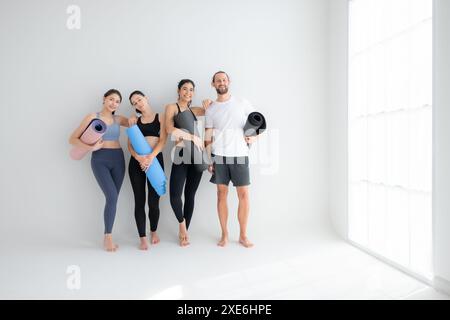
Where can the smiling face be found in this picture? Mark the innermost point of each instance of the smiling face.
(111, 102)
(186, 92)
(221, 83)
(139, 101)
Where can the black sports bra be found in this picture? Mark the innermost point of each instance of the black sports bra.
(151, 129)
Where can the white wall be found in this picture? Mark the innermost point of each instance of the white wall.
(337, 116)
(441, 134)
(276, 53)
(441, 144)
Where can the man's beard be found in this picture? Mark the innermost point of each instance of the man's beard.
(222, 90)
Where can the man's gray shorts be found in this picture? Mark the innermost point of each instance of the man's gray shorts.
(235, 169)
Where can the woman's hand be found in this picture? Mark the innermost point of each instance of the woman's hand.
(141, 160)
(97, 146)
(198, 142)
(206, 103)
(147, 162)
(211, 168)
(132, 121)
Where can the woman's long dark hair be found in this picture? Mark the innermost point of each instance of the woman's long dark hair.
(113, 91)
(132, 94)
(181, 83)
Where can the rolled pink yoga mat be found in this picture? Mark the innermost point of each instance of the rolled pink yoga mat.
(94, 131)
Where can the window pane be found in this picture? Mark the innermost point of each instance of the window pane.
(390, 129)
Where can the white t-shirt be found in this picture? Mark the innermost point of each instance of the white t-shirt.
(228, 119)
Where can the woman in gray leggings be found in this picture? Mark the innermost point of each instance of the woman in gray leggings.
(107, 160)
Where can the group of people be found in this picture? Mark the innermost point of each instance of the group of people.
(224, 144)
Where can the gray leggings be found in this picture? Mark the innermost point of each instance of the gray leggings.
(108, 166)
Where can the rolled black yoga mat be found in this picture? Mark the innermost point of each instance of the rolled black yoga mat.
(255, 125)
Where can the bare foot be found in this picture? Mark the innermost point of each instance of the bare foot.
(182, 235)
(184, 240)
(144, 244)
(108, 244)
(223, 241)
(154, 239)
(245, 242)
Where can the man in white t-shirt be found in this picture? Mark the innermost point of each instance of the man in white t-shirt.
(229, 149)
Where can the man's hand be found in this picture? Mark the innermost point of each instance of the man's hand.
(206, 103)
(250, 140)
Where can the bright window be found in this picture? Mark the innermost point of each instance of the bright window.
(390, 130)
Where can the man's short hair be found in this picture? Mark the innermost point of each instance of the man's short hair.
(214, 76)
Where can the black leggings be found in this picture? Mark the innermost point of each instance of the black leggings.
(183, 175)
(138, 180)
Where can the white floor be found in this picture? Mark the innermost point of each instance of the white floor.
(303, 265)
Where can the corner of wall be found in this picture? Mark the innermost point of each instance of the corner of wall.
(337, 118)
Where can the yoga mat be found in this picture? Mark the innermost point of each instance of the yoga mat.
(93, 132)
(155, 174)
(255, 125)
(187, 120)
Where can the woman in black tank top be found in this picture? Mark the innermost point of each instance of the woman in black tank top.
(184, 173)
(151, 125)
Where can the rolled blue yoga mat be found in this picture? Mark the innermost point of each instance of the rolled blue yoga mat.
(155, 174)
